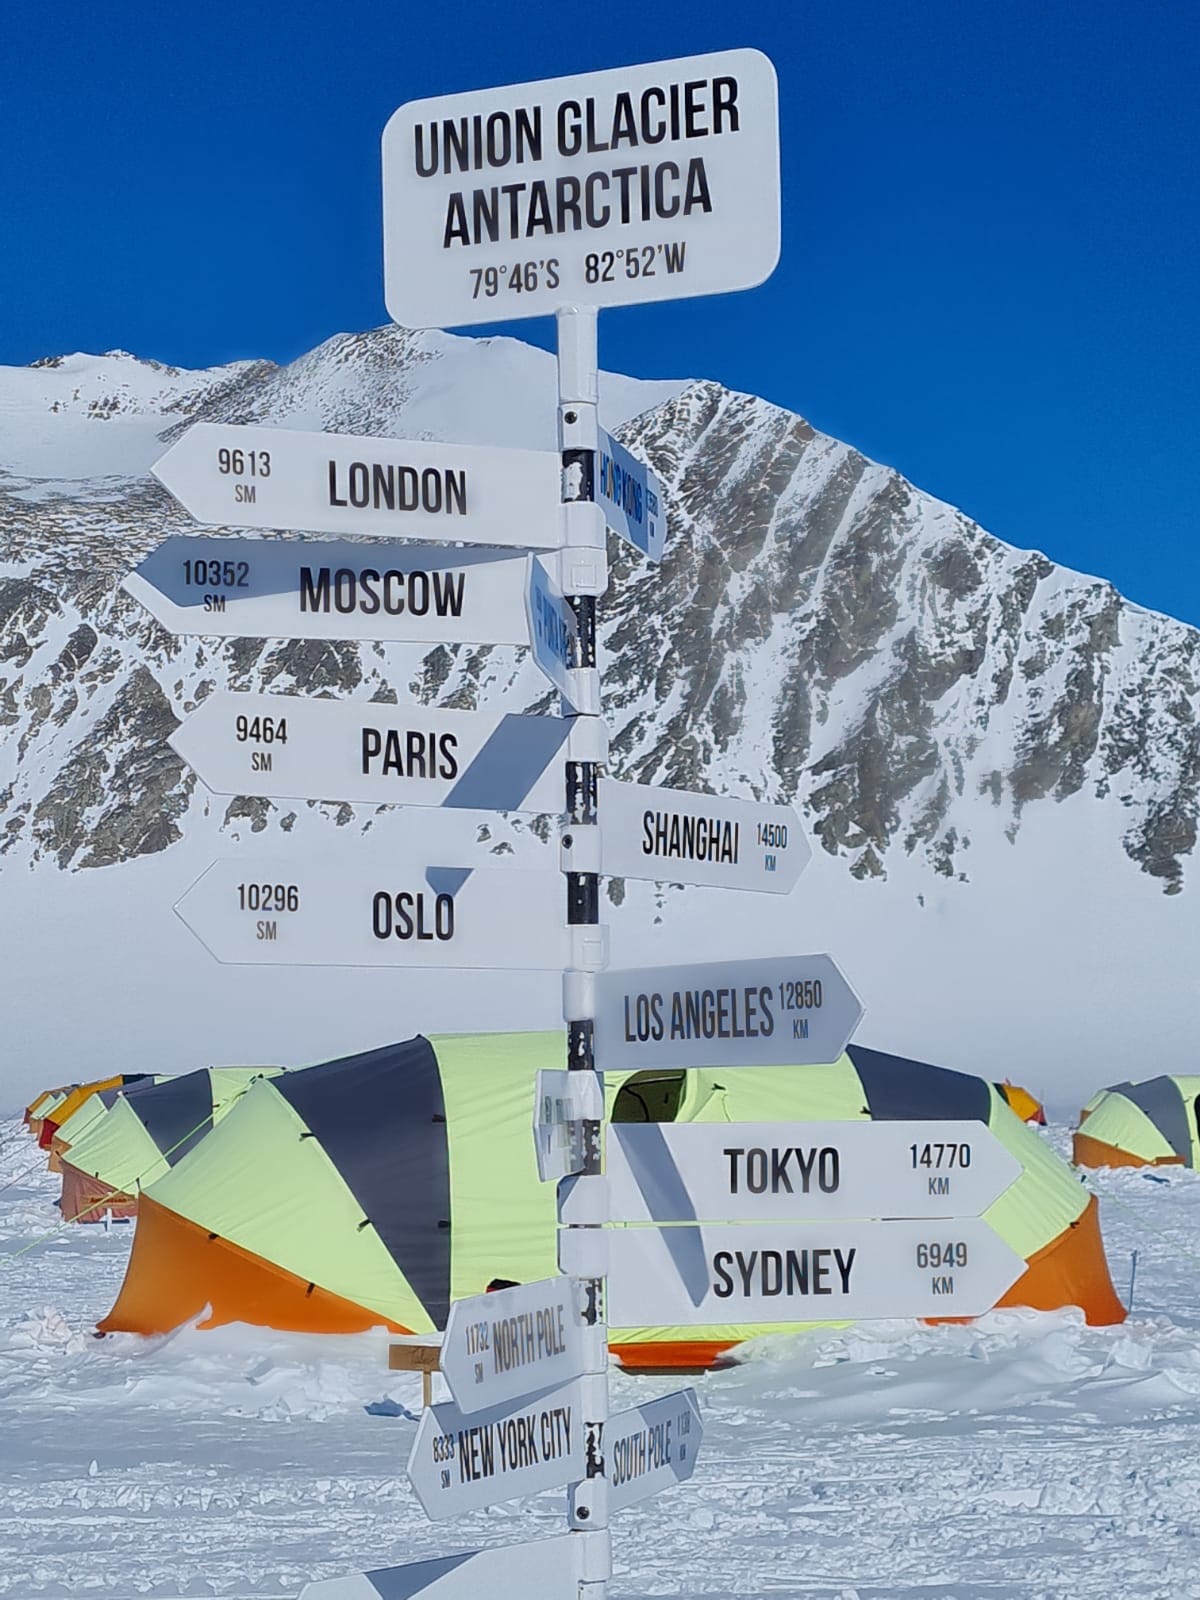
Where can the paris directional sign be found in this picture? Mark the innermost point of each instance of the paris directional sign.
(651, 1447)
(231, 475)
(675, 836)
(462, 1462)
(810, 1171)
(651, 182)
(551, 1569)
(343, 911)
(513, 1343)
(774, 1011)
(631, 497)
(344, 589)
(371, 752)
(806, 1272)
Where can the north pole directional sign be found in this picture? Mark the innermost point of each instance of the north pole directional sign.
(650, 182)
(505, 1346)
(776, 1011)
(551, 1569)
(341, 911)
(631, 497)
(780, 1171)
(368, 751)
(675, 836)
(806, 1272)
(237, 476)
(310, 589)
(651, 1447)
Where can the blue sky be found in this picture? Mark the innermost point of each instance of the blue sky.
(991, 256)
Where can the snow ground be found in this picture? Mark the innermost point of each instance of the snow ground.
(1025, 1457)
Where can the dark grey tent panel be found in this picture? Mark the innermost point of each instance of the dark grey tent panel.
(177, 1113)
(897, 1088)
(1162, 1101)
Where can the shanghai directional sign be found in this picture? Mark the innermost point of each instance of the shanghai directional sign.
(650, 182)
(231, 475)
(309, 589)
(675, 836)
(371, 752)
(551, 1569)
(806, 1272)
(342, 911)
(775, 1011)
(809, 1171)
(513, 1343)
(631, 498)
(651, 1447)
(460, 1463)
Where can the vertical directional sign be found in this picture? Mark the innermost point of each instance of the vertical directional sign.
(651, 1447)
(563, 1102)
(504, 1346)
(554, 635)
(631, 498)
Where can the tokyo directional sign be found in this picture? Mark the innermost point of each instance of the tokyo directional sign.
(651, 1447)
(512, 1343)
(775, 1011)
(231, 475)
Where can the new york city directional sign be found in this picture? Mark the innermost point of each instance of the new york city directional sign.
(512, 1343)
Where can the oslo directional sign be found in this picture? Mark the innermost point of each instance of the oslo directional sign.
(554, 635)
(776, 1011)
(510, 1344)
(631, 498)
(461, 1462)
(551, 1569)
(810, 1171)
(806, 1272)
(289, 589)
(676, 836)
(367, 751)
(650, 182)
(236, 476)
(342, 911)
(651, 1447)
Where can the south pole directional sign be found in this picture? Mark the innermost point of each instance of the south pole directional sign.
(232, 475)
(775, 1011)
(631, 497)
(675, 836)
(343, 589)
(551, 1569)
(512, 1343)
(651, 1447)
(650, 182)
(779, 1171)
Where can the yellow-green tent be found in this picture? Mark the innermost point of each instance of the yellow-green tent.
(1149, 1124)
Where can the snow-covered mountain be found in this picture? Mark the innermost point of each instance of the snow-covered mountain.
(999, 759)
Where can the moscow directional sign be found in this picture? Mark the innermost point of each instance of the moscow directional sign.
(551, 1569)
(651, 182)
(308, 589)
(461, 1462)
(651, 1447)
(775, 1011)
(675, 836)
(806, 1272)
(513, 1343)
(231, 475)
(342, 911)
(810, 1171)
(371, 752)
(631, 498)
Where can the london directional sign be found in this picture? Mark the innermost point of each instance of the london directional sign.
(368, 751)
(551, 1569)
(342, 911)
(651, 1447)
(675, 836)
(810, 1171)
(775, 1011)
(513, 1343)
(650, 182)
(344, 589)
(631, 497)
(806, 1272)
(232, 475)
(461, 1462)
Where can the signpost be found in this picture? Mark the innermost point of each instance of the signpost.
(631, 497)
(513, 1343)
(776, 1011)
(550, 1569)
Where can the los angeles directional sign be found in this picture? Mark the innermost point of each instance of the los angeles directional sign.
(551, 1569)
(513, 1343)
(680, 837)
(344, 589)
(367, 751)
(631, 497)
(238, 476)
(651, 1447)
(776, 1011)
(342, 911)
(806, 1272)
(810, 1171)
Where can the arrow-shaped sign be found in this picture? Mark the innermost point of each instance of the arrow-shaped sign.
(651, 1447)
(513, 1343)
(551, 1569)
(777, 1011)
(309, 589)
(230, 475)
(631, 497)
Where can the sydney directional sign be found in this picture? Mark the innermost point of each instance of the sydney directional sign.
(343, 589)
(631, 497)
(651, 1447)
(551, 1569)
(513, 1343)
(369, 751)
(806, 1272)
(650, 182)
(774, 1011)
(680, 837)
(233, 475)
(810, 1171)
(344, 911)
(460, 1462)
